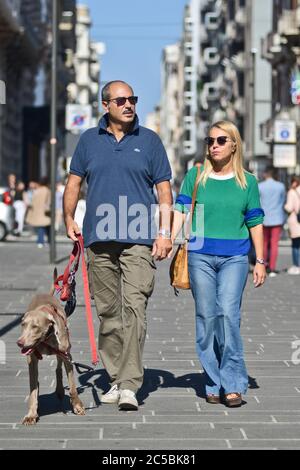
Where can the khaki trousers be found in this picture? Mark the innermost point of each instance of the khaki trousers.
(122, 280)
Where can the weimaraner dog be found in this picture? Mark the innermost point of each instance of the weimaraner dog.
(45, 331)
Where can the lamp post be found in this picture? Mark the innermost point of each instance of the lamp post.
(253, 102)
(53, 139)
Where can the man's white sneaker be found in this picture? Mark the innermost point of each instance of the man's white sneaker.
(112, 396)
(128, 400)
(295, 270)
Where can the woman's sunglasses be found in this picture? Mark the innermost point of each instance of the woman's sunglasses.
(221, 140)
(121, 101)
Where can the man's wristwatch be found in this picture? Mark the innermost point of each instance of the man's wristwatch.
(164, 233)
(260, 260)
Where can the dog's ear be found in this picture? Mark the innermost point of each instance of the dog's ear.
(52, 290)
(60, 331)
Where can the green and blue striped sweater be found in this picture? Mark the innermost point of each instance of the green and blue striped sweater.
(224, 212)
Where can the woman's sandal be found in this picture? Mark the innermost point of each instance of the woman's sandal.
(213, 399)
(233, 399)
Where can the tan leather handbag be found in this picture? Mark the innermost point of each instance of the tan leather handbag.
(179, 273)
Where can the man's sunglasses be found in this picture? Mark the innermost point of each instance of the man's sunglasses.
(121, 100)
(221, 140)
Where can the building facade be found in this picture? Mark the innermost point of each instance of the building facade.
(21, 33)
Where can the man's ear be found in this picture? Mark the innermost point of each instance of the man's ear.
(105, 105)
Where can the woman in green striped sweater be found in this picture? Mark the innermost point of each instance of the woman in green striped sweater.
(227, 209)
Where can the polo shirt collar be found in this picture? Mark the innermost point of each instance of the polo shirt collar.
(103, 124)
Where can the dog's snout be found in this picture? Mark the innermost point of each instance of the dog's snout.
(20, 343)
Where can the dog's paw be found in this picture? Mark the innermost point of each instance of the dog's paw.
(29, 420)
(78, 408)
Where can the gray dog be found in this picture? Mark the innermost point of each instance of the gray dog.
(45, 331)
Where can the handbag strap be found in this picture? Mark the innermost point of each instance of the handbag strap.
(197, 181)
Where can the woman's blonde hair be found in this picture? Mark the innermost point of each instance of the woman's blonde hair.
(237, 154)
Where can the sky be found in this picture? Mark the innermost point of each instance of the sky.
(135, 33)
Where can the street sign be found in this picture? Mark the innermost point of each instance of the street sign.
(285, 131)
(284, 156)
(78, 117)
(2, 92)
(295, 87)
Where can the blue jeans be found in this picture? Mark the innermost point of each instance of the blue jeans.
(217, 284)
(296, 251)
(41, 233)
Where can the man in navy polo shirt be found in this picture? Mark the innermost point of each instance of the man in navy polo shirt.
(122, 162)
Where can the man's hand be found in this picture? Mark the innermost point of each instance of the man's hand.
(72, 229)
(259, 275)
(161, 248)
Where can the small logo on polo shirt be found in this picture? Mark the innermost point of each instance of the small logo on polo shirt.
(137, 150)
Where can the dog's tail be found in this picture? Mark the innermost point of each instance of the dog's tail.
(52, 290)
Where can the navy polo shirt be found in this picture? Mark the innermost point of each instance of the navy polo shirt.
(120, 175)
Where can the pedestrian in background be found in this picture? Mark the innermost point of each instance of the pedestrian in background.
(227, 209)
(292, 207)
(32, 186)
(11, 184)
(38, 214)
(20, 207)
(121, 159)
(272, 196)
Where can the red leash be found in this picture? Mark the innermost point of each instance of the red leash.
(66, 288)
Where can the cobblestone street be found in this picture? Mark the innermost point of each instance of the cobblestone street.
(173, 413)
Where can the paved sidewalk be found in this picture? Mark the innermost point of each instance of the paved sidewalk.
(173, 413)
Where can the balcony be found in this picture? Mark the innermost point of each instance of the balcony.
(211, 90)
(189, 73)
(211, 56)
(188, 148)
(289, 23)
(188, 49)
(188, 97)
(66, 28)
(212, 21)
(188, 25)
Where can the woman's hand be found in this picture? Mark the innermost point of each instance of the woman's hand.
(259, 275)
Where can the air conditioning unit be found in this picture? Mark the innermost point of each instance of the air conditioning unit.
(212, 21)
(211, 56)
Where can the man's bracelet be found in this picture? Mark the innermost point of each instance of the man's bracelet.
(164, 233)
(260, 260)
